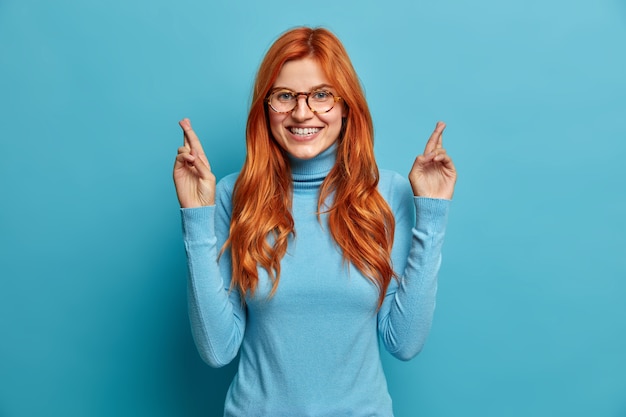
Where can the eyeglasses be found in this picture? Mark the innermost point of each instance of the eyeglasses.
(319, 101)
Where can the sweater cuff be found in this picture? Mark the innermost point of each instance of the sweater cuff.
(431, 213)
(198, 223)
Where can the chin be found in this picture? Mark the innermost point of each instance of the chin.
(303, 155)
(308, 153)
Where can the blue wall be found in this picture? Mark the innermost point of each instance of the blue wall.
(531, 316)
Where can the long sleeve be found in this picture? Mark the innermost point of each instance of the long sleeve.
(405, 317)
(217, 316)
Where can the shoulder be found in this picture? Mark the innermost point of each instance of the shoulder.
(397, 192)
(227, 183)
(388, 176)
(224, 189)
(392, 185)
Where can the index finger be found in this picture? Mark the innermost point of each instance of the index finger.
(189, 136)
(436, 139)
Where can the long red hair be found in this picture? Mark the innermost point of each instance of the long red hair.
(360, 220)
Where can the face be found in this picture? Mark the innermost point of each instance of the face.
(302, 133)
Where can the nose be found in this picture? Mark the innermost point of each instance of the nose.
(302, 110)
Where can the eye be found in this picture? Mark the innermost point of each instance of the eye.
(284, 96)
(321, 95)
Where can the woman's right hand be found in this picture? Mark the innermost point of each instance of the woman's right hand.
(194, 181)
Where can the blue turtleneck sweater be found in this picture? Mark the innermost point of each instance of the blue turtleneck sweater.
(313, 348)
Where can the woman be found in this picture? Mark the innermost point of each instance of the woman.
(306, 257)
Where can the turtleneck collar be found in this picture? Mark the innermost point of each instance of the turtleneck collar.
(308, 174)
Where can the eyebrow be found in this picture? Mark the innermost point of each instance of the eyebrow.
(314, 88)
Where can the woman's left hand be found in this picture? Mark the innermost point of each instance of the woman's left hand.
(433, 174)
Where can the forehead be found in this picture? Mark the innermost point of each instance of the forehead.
(301, 75)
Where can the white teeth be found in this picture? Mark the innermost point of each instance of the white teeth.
(304, 131)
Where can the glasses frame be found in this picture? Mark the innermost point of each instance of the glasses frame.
(297, 94)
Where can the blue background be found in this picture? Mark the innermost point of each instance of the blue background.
(531, 315)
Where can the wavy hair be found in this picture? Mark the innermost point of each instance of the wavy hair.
(360, 220)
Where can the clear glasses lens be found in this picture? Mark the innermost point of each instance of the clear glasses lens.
(284, 101)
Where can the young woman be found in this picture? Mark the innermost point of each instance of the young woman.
(302, 261)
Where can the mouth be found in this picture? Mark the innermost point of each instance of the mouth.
(304, 131)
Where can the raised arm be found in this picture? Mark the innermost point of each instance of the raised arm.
(216, 314)
(421, 211)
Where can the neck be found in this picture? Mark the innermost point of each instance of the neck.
(308, 174)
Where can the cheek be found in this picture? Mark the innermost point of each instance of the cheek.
(335, 117)
(334, 122)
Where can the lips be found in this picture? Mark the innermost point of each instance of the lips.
(304, 131)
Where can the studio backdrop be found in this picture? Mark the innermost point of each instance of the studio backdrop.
(531, 311)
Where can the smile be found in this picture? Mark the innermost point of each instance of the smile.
(304, 131)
